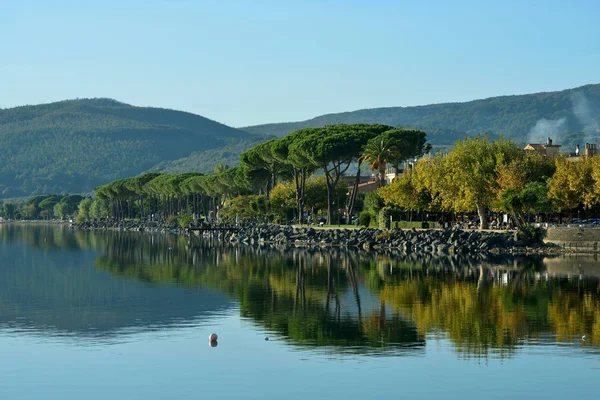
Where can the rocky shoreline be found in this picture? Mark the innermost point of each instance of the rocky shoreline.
(429, 241)
(448, 241)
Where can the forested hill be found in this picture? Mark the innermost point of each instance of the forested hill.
(514, 117)
(76, 145)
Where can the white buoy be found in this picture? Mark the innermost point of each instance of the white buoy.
(213, 337)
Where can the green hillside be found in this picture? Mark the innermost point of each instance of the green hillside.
(76, 145)
(205, 160)
(510, 116)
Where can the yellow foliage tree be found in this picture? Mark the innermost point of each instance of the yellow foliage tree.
(572, 184)
(467, 178)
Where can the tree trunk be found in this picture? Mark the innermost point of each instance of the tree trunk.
(483, 216)
(330, 189)
(141, 207)
(332, 178)
(300, 183)
(302, 190)
(381, 174)
(296, 174)
(354, 191)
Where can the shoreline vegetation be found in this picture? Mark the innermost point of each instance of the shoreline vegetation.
(305, 179)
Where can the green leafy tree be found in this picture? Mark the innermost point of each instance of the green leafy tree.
(72, 201)
(47, 205)
(316, 194)
(61, 210)
(220, 168)
(374, 202)
(283, 195)
(332, 149)
(534, 198)
(83, 214)
(261, 165)
(9, 210)
(375, 153)
(299, 166)
(244, 207)
(407, 192)
(98, 210)
(393, 147)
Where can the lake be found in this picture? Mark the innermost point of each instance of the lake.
(110, 315)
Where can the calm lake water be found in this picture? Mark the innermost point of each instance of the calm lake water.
(111, 315)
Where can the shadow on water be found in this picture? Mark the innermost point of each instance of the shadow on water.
(333, 300)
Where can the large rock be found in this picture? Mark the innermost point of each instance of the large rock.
(367, 245)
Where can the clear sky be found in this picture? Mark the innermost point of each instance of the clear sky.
(250, 62)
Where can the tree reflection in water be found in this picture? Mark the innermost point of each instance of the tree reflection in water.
(354, 301)
(485, 307)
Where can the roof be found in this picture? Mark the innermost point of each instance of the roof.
(367, 187)
(539, 146)
(534, 146)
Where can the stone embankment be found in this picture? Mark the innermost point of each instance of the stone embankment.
(449, 241)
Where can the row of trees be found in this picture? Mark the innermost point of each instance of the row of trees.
(42, 207)
(281, 205)
(158, 196)
(290, 160)
(330, 150)
(477, 175)
(481, 175)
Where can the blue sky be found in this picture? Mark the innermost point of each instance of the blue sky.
(250, 62)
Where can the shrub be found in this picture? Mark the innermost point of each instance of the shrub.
(364, 218)
(384, 217)
(383, 235)
(171, 220)
(414, 224)
(80, 218)
(373, 202)
(529, 234)
(244, 207)
(184, 220)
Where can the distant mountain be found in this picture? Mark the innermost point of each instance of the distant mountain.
(521, 118)
(75, 145)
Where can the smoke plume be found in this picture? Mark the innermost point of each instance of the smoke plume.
(586, 117)
(583, 111)
(545, 128)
